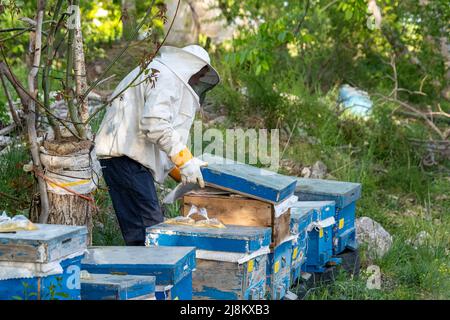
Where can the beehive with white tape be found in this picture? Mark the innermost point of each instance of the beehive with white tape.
(233, 209)
(345, 196)
(278, 276)
(42, 264)
(172, 267)
(319, 254)
(117, 287)
(231, 261)
(301, 220)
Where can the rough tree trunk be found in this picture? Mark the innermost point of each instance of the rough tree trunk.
(68, 208)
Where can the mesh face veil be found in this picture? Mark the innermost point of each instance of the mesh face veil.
(205, 83)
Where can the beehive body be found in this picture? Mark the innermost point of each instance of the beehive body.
(301, 218)
(61, 286)
(320, 238)
(231, 261)
(42, 264)
(118, 287)
(345, 195)
(279, 270)
(229, 239)
(172, 266)
(320, 249)
(182, 290)
(243, 211)
(50, 242)
(248, 180)
(223, 280)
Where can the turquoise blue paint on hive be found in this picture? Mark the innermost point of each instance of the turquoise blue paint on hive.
(345, 194)
(301, 218)
(320, 241)
(229, 239)
(321, 209)
(172, 266)
(63, 286)
(247, 180)
(219, 275)
(44, 248)
(279, 264)
(117, 287)
(342, 193)
(50, 242)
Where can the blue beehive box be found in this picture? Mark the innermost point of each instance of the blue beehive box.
(42, 264)
(172, 266)
(320, 237)
(117, 287)
(345, 195)
(231, 261)
(247, 180)
(230, 239)
(279, 270)
(301, 219)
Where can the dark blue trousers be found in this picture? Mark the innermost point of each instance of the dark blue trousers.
(133, 193)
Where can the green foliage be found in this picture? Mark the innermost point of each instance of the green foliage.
(283, 70)
(16, 186)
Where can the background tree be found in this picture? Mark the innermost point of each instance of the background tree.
(55, 103)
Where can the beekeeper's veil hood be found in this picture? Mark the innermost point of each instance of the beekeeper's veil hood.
(187, 61)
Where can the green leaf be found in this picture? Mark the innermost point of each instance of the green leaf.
(62, 294)
(348, 14)
(307, 38)
(258, 70)
(16, 298)
(282, 36)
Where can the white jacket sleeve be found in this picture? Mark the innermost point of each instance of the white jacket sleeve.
(159, 110)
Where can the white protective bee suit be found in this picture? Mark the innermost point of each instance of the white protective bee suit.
(150, 121)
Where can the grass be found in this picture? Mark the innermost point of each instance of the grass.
(16, 187)
(397, 192)
(403, 198)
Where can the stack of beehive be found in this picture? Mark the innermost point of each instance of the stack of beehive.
(138, 273)
(251, 257)
(42, 264)
(322, 222)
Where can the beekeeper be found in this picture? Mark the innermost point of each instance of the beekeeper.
(144, 133)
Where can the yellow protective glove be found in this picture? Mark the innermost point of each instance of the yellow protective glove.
(189, 167)
(191, 173)
(175, 174)
(180, 158)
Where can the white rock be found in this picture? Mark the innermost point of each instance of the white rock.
(219, 119)
(421, 239)
(319, 170)
(371, 233)
(306, 172)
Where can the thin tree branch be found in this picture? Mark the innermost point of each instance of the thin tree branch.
(142, 69)
(421, 115)
(25, 96)
(73, 111)
(46, 71)
(299, 26)
(16, 34)
(12, 110)
(20, 90)
(79, 69)
(121, 53)
(36, 42)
